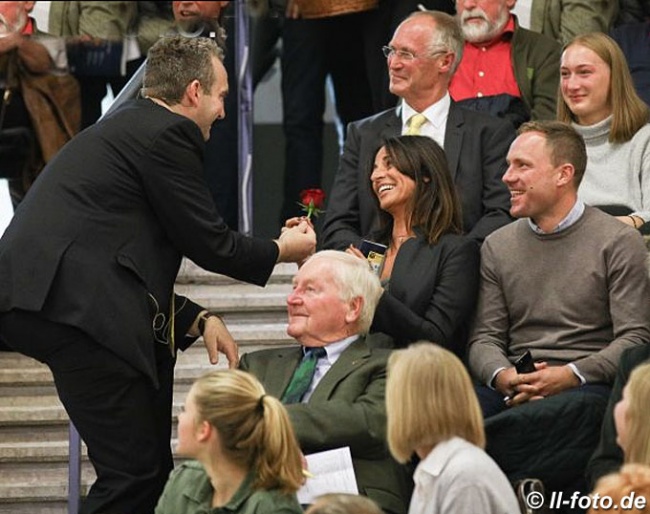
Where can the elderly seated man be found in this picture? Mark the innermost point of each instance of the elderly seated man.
(567, 283)
(333, 382)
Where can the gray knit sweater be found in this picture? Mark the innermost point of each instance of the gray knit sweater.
(581, 295)
(617, 174)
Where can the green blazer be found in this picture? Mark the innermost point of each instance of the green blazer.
(347, 408)
(108, 20)
(565, 19)
(536, 63)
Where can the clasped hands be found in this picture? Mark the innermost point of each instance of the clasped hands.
(297, 240)
(545, 381)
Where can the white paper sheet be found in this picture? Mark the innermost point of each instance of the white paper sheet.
(333, 473)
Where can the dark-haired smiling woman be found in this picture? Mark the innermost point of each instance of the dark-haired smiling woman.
(431, 270)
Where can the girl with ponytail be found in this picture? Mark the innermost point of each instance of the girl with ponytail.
(247, 458)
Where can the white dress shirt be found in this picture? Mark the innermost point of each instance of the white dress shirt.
(334, 351)
(436, 115)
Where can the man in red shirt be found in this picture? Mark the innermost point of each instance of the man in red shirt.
(507, 70)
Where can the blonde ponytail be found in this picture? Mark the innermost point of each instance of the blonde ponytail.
(279, 464)
(254, 429)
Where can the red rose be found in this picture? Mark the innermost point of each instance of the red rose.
(312, 201)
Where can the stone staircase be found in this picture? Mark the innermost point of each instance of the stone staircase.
(34, 453)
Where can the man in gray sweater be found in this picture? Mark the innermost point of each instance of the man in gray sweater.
(566, 281)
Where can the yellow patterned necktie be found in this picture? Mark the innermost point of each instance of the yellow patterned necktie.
(414, 123)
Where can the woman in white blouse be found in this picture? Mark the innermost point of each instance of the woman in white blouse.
(433, 412)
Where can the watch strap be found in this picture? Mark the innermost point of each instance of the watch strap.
(204, 317)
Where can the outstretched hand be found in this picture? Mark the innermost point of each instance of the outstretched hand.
(294, 222)
(297, 242)
(217, 338)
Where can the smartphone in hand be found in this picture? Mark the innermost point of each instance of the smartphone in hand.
(375, 253)
(525, 363)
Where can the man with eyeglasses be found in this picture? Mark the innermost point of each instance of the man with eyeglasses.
(506, 70)
(421, 58)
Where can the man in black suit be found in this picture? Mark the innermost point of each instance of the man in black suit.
(88, 263)
(422, 57)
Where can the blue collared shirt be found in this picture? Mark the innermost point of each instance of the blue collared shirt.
(574, 215)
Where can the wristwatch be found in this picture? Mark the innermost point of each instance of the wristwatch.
(204, 317)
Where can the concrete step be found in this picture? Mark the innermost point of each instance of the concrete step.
(34, 507)
(191, 273)
(46, 483)
(238, 298)
(30, 452)
(31, 410)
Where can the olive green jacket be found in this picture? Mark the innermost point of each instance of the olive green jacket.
(536, 63)
(189, 491)
(105, 20)
(347, 408)
(563, 20)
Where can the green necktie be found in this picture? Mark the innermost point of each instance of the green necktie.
(302, 376)
(415, 122)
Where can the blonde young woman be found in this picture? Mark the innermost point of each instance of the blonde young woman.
(247, 457)
(629, 489)
(599, 99)
(433, 412)
(632, 417)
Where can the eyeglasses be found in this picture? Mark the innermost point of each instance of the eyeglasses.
(405, 55)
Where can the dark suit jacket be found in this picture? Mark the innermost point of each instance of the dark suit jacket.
(476, 145)
(608, 457)
(346, 409)
(98, 241)
(432, 292)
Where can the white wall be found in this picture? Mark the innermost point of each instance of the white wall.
(6, 210)
(40, 14)
(522, 10)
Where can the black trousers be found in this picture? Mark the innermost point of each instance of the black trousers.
(123, 419)
(312, 49)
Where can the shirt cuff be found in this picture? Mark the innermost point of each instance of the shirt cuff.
(490, 383)
(577, 373)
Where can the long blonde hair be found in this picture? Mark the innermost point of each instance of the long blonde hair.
(629, 112)
(637, 446)
(631, 480)
(429, 399)
(254, 428)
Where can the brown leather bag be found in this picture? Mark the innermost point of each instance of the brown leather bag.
(54, 106)
(324, 8)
